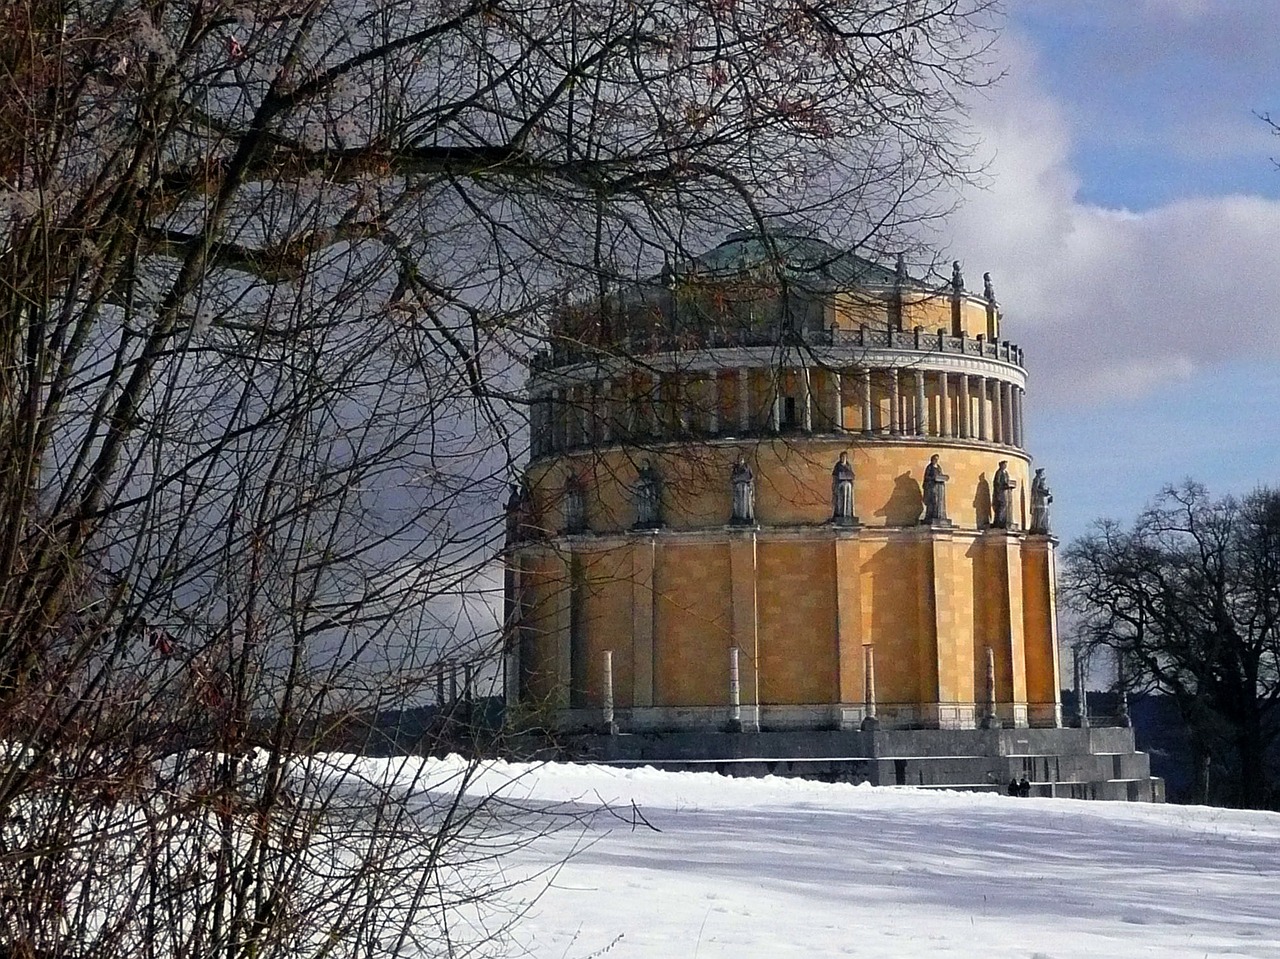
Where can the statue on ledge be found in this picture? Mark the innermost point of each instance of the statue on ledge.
(842, 492)
(744, 494)
(935, 492)
(648, 497)
(1041, 497)
(519, 513)
(575, 509)
(1002, 496)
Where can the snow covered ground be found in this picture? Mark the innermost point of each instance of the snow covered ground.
(779, 868)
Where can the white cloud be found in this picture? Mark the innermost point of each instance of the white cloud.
(1110, 303)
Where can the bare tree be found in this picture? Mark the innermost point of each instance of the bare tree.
(1190, 598)
(269, 274)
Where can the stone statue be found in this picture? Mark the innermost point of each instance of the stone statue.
(520, 519)
(1001, 496)
(648, 497)
(575, 509)
(842, 492)
(1041, 497)
(511, 513)
(744, 494)
(935, 492)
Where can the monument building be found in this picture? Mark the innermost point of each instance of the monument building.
(781, 489)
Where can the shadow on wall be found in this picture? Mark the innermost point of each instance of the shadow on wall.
(906, 503)
(982, 502)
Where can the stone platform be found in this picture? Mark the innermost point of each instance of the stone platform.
(1096, 763)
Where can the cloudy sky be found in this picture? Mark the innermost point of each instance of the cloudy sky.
(1132, 227)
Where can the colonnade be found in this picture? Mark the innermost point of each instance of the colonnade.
(751, 401)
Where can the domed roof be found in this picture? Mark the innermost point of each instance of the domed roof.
(797, 251)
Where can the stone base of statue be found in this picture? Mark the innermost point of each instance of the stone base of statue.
(941, 523)
(646, 527)
(845, 522)
(748, 523)
(869, 724)
(733, 726)
(991, 721)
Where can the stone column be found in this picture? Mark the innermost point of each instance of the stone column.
(1011, 419)
(989, 719)
(681, 392)
(982, 407)
(944, 406)
(668, 422)
(922, 409)
(631, 401)
(562, 419)
(735, 692)
(713, 399)
(744, 401)
(577, 403)
(1082, 692)
(966, 408)
(610, 727)
(997, 411)
(535, 427)
(1019, 438)
(837, 395)
(775, 401)
(806, 399)
(868, 424)
(895, 404)
(869, 692)
(565, 419)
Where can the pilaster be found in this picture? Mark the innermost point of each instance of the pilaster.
(928, 675)
(745, 622)
(953, 635)
(643, 555)
(1014, 685)
(578, 680)
(849, 616)
(564, 602)
(1044, 677)
(514, 610)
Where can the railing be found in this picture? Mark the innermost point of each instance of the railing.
(918, 340)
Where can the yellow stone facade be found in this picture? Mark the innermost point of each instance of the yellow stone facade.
(827, 623)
